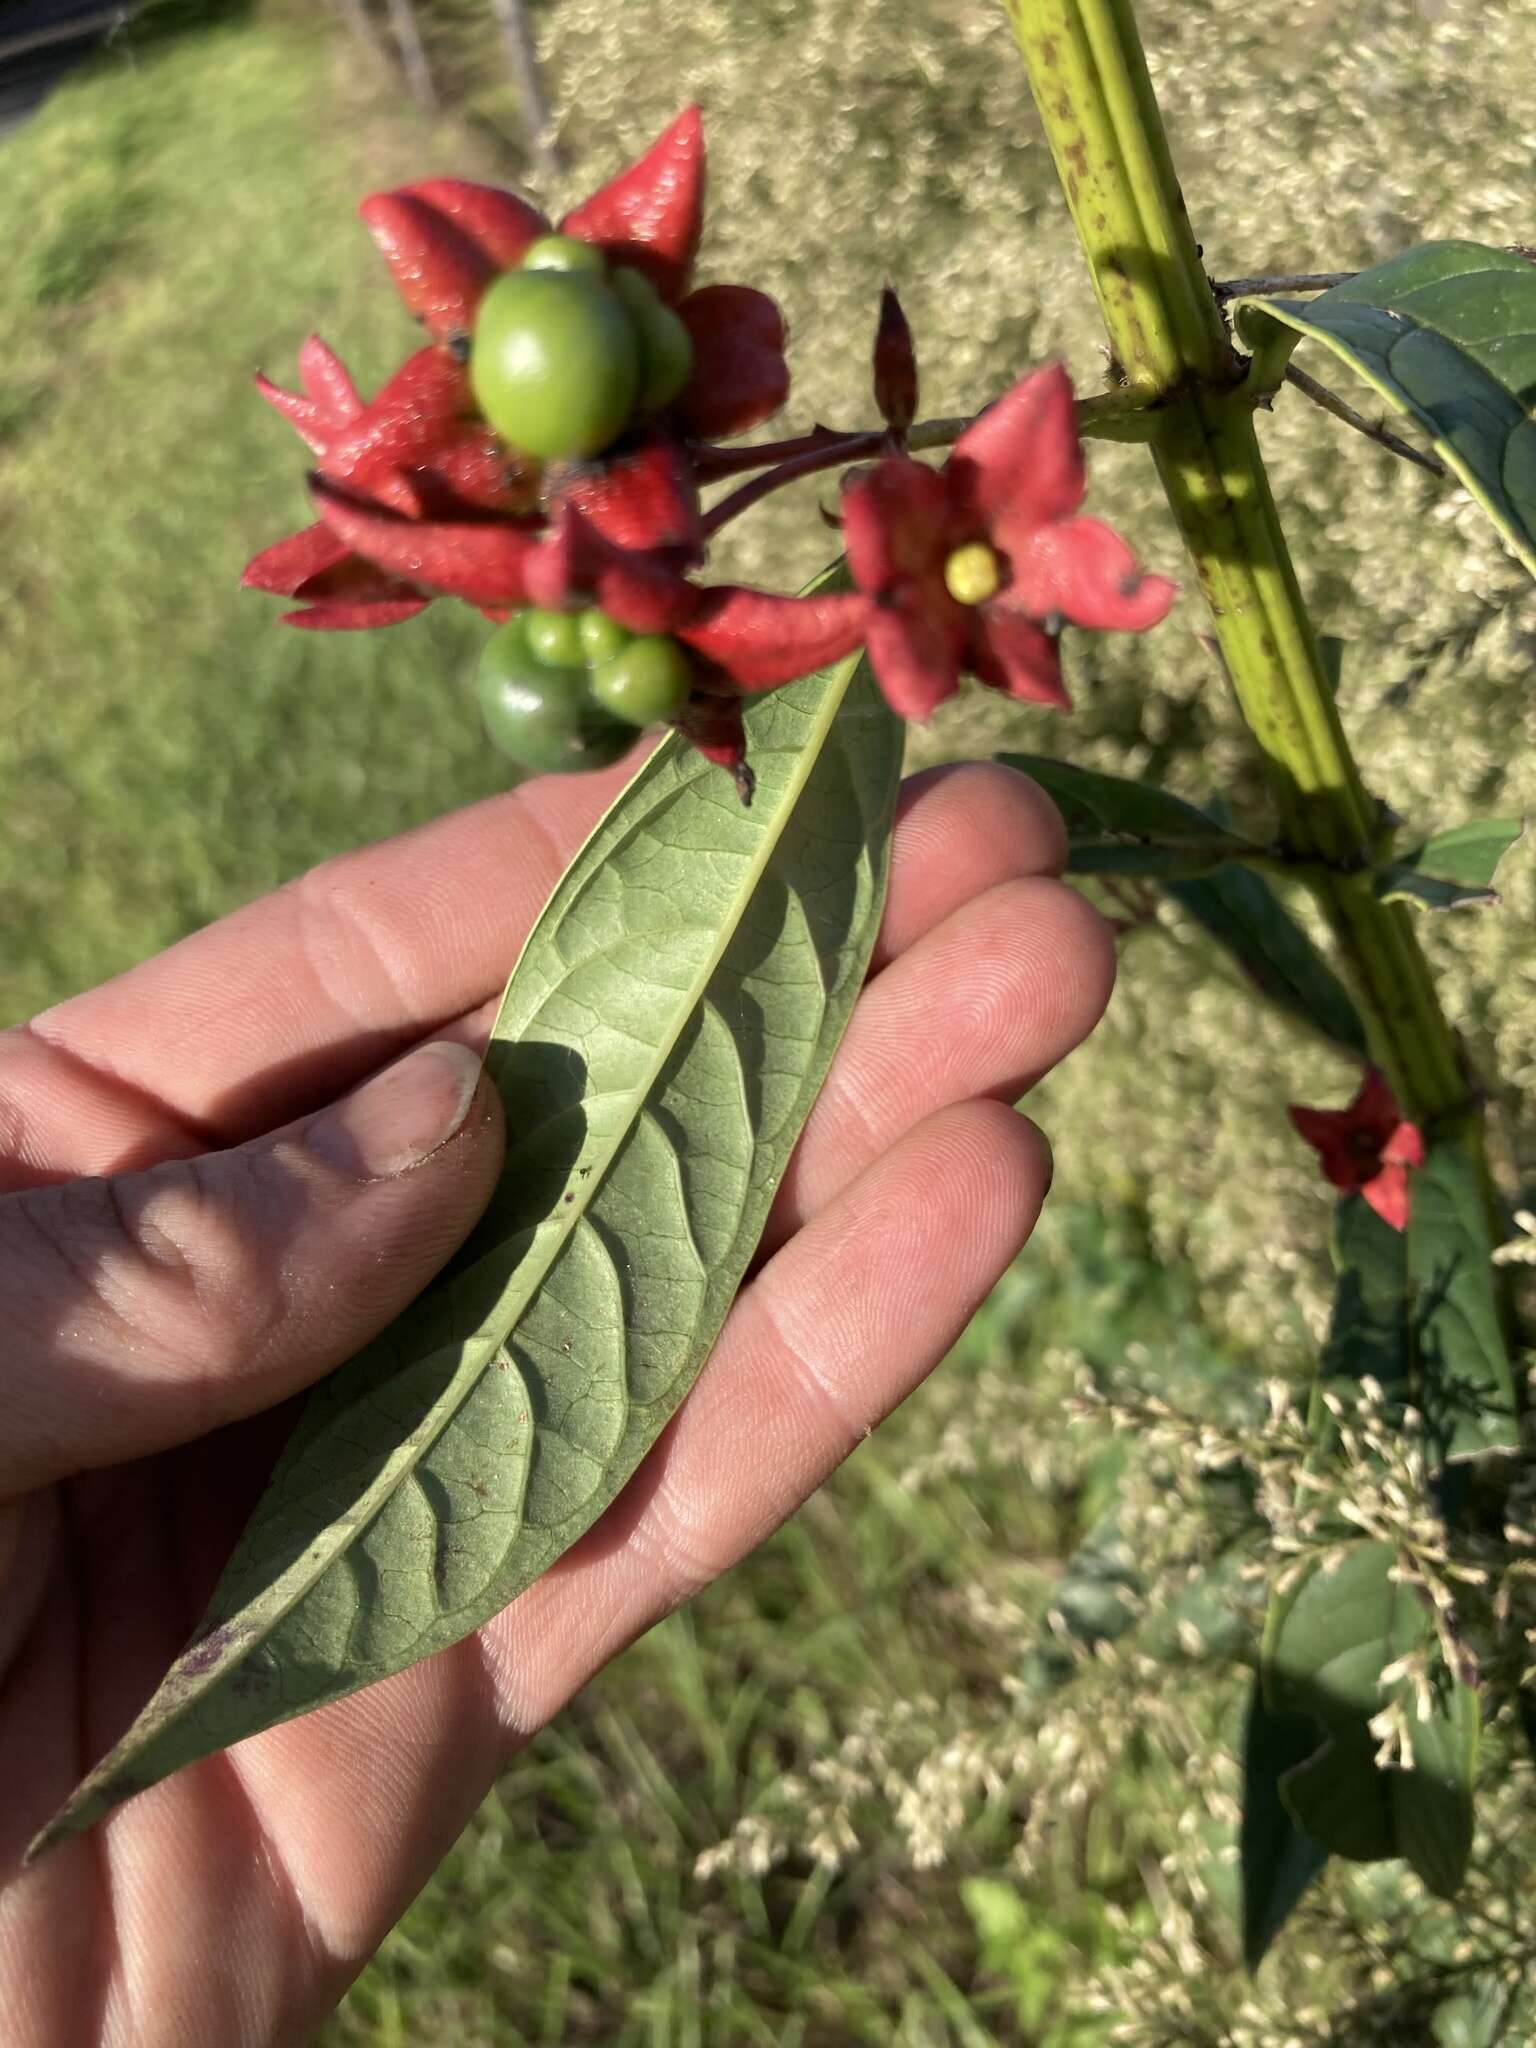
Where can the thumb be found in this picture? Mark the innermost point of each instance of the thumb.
(148, 1309)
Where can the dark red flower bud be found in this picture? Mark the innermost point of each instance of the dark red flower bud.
(895, 366)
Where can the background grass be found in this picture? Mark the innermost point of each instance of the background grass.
(856, 1714)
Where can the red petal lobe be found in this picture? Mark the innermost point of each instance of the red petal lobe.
(896, 528)
(438, 270)
(354, 618)
(1010, 651)
(291, 562)
(1021, 462)
(484, 562)
(739, 377)
(302, 414)
(420, 410)
(650, 215)
(1082, 569)
(1390, 1196)
(916, 660)
(328, 383)
(500, 225)
(760, 639)
(643, 499)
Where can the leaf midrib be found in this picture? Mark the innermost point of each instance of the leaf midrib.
(482, 1346)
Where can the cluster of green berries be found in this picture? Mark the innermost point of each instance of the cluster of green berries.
(568, 352)
(565, 691)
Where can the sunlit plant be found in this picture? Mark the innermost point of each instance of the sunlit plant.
(545, 457)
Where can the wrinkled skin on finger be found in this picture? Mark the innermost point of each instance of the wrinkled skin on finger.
(234, 1902)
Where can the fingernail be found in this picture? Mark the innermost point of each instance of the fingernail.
(401, 1116)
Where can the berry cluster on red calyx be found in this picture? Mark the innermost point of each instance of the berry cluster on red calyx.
(543, 456)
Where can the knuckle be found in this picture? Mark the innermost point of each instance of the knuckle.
(167, 1266)
(346, 947)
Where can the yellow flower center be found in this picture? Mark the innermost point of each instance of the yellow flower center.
(971, 574)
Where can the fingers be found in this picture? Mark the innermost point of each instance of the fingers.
(839, 1328)
(148, 1309)
(960, 830)
(1005, 987)
(288, 1002)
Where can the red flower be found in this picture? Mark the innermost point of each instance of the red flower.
(978, 565)
(1368, 1149)
(445, 241)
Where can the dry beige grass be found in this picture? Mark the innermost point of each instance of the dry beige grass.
(853, 141)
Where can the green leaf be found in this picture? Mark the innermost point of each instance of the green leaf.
(1454, 867)
(1118, 827)
(1466, 1381)
(662, 1039)
(1447, 334)
(1476, 2016)
(1328, 1642)
(1277, 1858)
(1115, 826)
(1370, 1331)
(1243, 914)
(1418, 1310)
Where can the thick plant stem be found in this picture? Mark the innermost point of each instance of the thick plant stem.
(1089, 79)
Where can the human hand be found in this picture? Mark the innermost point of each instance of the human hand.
(254, 1231)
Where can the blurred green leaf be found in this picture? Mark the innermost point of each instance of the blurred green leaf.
(1119, 827)
(1328, 1643)
(1466, 1383)
(1245, 916)
(662, 1039)
(1476, 2017)
(1454, 867)
(1447, 334)
(1278, 1859)
(1370, 1330)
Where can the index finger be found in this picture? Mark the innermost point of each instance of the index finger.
(285, 1003)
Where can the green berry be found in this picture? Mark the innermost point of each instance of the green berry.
(666, 347)
(602, 637)
(555, 363)
(555, 638)
(646, 682)
(540, 714)
(564, 252)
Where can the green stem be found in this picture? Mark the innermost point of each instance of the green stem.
(1089, 79)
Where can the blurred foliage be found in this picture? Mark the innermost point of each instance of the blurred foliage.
(181, 212)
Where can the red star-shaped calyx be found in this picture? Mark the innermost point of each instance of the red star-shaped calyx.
(1368, 1149)
(977, 565)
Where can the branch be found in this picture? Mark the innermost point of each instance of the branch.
(1277, 287)
(1109, 417)
(1374, 430)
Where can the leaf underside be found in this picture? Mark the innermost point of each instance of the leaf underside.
(662, 1040)
(1446, 333)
